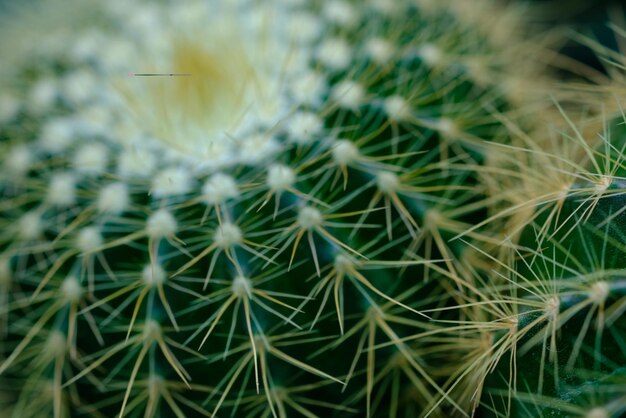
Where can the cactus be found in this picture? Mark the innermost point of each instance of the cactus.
(568, 295)
(315, 215)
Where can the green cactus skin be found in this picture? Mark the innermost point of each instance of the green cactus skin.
(275, 235)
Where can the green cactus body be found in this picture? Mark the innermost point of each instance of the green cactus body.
(269, 232)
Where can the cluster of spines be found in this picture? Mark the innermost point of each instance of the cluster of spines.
(258, 267)
(559, 287)
(233, 246)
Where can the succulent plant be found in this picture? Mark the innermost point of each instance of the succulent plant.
(291, 208)
(561, 290)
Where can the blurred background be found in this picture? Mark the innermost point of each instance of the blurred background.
(588, 17)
